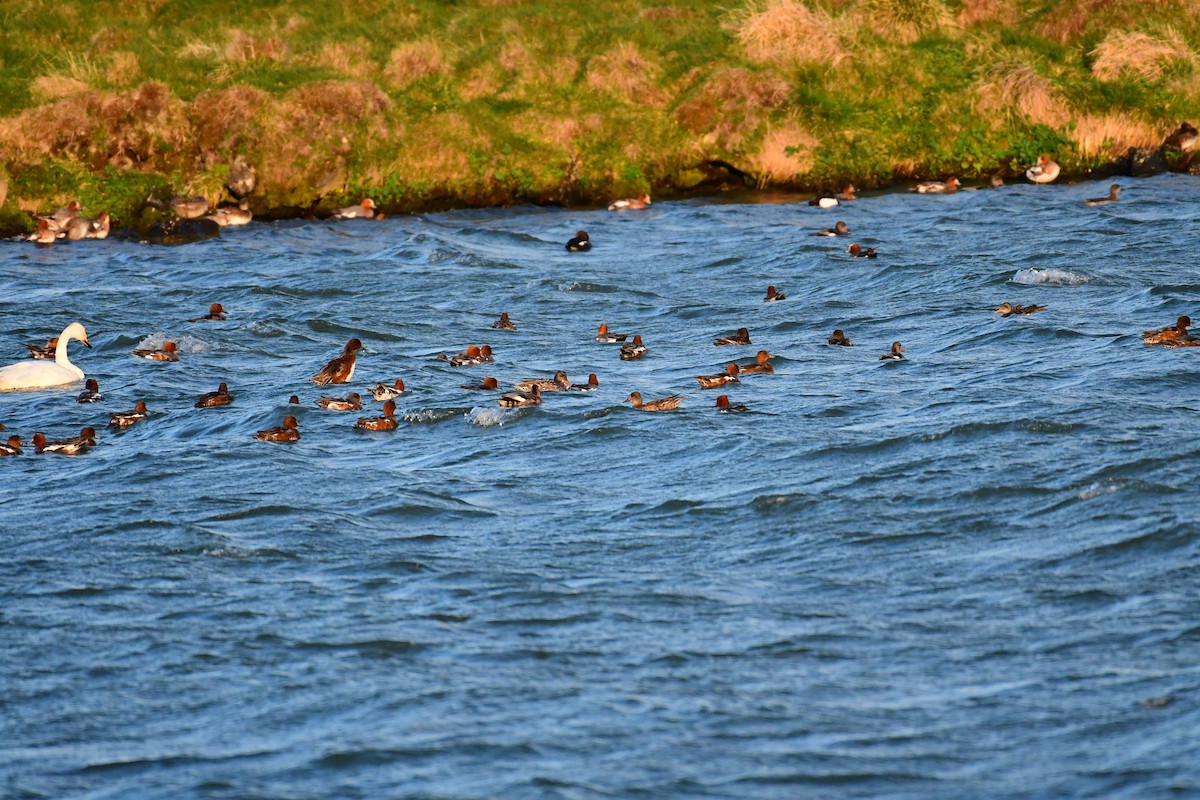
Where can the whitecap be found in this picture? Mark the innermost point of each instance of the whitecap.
(431, 415)
(183, 344)
(489, 417)
(1054, 277)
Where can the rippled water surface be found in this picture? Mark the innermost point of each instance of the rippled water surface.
(971, 574)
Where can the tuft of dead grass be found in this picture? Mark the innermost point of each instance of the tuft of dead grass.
(625, 73)
(785, 154)
(416, 60)
(732, 105)
(224, 120)
(1003, 12)
(55, 87)
(123, 68)
(1112, 135)
(788, 32)
(905, 21)
(350, 59)
(1140, 55)
(1015, 90)
(243, 46)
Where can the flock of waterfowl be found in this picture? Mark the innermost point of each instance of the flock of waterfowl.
(50, 367)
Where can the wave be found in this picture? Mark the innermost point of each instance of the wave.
(1051, 277)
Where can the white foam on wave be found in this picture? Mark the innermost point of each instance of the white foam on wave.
(183, 344)
(488, 417)
(430, 415)
(1054, 277)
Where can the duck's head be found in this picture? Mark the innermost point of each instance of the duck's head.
(353, 345)
(92, 385)
(389, 408)
(399, 384)
(486, 350)
(354, 397)
(223, 389)
(634, 397)
(762, 356)
(733, 369)
(1005, 308)
(140, 407)
(170, 347)
(490, 383)
(291, 423)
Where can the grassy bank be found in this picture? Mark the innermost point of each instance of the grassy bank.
(430, 104)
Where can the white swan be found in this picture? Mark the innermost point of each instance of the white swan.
(39, 374)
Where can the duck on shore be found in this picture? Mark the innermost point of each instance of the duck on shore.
(949, 186)
(634, 203)
(364, 210)
(1044, 171)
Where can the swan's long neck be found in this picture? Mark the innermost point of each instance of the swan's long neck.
(60, 355)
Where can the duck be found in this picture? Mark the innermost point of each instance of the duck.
(67, 447)
(57, 220)
(294, 400)
(289, 431)
(760, 365)
(996, 181)
(340, 369)
(1044, 171)
(859, 252)
(635, 203)
(847, 194)
(580, 244)
(77, 228)
(90, 393)
(232, 216)
(42, 374)
(1188, 342)
(387, 422)
(100, 226)
(826, 200)
(474, 355)
(488, 384)
(365, 209)
(190, 207)
(1183, 139)
(839, 338)
(381, 392)
(504, 323)
(773, 295)
(351, 402)
(949, 186)
(593, 383)
(730, 375)
(669, 403)
(1163, 335)
(44, 234)
(12, 448)
(634, 349)
(123, 419)
(725, 406)
(169, 352)
(839, 229)
(742, 337)
(895, 354)
(517, 399)
(559, 383)
(221, 397)
(1113, 191)
(37, 351)
(1008, 309)
(602, 335)
(216, 313)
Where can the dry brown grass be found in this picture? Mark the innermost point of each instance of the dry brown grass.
(350, 59)
(124, 69)
(415, 60)
(1003, 12)
(1141, 55)
(1015, 89)
(788, 32)
(785, 154)
(243, 46)
(625, 73)
(905, 21)
(55, 87)
(732, 105)
(1112, 135)
(224, 120)
(146, 124)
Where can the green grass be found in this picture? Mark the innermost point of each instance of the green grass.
(537, 102)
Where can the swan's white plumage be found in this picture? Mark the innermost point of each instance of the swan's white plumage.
(41, 374)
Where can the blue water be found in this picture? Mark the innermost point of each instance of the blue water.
(972, 574)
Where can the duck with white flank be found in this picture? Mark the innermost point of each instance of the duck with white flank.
(517, 399)
(895, 354)
(580, 244)
(221, 397)
(634, 349)
(123, 419)
(90, 393)
(742, 337)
